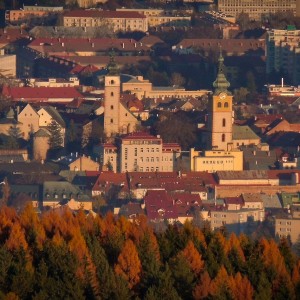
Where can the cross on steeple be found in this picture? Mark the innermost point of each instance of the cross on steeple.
(112, 67)
(221, 84)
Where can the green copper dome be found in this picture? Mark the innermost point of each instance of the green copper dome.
(221, 84)
(112, 67)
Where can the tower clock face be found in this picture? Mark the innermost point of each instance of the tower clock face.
(222, 95)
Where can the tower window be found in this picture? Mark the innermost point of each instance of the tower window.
(226, 104)
(112, 93)
(224, 122)
(112, 82)
(111, 120)
(111, 107)
(223, 137)
(219, 104)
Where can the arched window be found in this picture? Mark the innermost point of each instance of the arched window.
(111, 107)
(224, 122)
(112, 82)
(112, 93)
(223, 137)
(111, 120)
(226, 104)
(219, 104)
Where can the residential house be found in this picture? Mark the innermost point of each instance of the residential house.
(75, 162)
(47, 115)
(57, 192)
(29, 119)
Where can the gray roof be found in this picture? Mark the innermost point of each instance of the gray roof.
(243, 133)
(271, 201)
(42, 133)
(62, 191)
(55, 115)
(242, 175)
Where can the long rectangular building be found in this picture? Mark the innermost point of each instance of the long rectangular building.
(256, 9)
(118, 20)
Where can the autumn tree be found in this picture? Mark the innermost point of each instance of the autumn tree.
(193, 258)
(129, 265)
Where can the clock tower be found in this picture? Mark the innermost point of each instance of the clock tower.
(220, 114)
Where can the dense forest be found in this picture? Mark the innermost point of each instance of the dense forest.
(62, 255)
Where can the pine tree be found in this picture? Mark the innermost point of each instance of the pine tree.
(13, 139)
(56, 138)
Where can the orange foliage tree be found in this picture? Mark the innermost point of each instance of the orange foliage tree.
(129, 265)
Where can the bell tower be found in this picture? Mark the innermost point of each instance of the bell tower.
(220, 114)
(112, 88)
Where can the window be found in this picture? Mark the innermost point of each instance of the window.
(226, 104)
(135, 151)
(152, 159)
(111, 93)
(224, 122)
(126, 153)
(219, 104)
(112, 82)
(111, 107)
(223, 137)
(111, 120)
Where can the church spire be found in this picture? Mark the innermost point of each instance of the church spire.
(221, 84)
(112, 67)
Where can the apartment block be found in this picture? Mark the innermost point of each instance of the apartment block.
(143, 152)
(288, 225)
(256, 9)
(283, 53)
(118, 20)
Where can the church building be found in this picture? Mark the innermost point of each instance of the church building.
(117, 118)
(220, 153)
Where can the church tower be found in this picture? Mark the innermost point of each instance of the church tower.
(112, 88)
(220, 114)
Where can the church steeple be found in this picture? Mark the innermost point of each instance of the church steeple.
(221, 84)
(112, 67)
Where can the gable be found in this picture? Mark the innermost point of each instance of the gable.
(28, 110)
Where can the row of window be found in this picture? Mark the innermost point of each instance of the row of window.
(217, 162)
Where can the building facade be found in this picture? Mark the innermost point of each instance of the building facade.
(256, 9)
(283, 53)
(117, 20)
(142, 152)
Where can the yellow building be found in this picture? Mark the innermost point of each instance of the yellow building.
(143, 88)
(216, 160)
(161, 17)
(256, 9)
(221, 155)
(118, 20)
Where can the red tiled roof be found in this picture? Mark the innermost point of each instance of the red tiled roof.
(159, 205)
(228, 45)
(65, 46)
(140, 136)
(17, 93)
(103, 14)
(84, 69)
